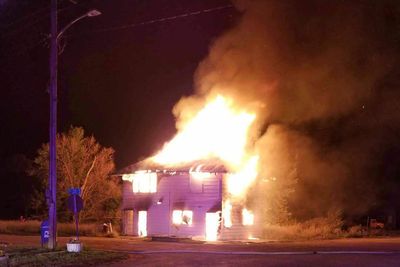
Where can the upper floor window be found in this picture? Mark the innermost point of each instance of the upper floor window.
(197, 177)
(142, 181)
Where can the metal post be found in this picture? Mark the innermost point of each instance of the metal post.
(76, 218)
(53, 128)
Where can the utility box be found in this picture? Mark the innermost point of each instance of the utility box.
(44, 232)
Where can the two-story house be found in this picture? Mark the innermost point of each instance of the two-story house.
(185, 201)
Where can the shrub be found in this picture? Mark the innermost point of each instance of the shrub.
(356, 231)
(317, 228)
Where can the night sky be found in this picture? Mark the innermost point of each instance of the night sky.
(119, 84)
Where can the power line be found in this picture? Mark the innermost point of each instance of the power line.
(164, 19)
(34, 17)
(122, 27)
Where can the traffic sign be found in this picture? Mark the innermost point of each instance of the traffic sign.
(74, 191)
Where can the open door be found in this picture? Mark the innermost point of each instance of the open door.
(212, 225)
(142, 223)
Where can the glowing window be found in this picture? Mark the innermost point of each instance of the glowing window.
(247, 217)
(196, 179)
(144, 182)
(182, 217)
(177, 217)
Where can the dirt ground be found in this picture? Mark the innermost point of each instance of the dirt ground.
(339, 252)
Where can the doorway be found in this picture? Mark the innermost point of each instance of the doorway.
(142, 223)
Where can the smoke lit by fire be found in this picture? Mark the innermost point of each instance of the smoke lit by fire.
(288, 95)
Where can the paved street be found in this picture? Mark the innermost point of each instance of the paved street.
(258, 260)
(342, 252)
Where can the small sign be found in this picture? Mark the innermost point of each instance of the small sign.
(44, 232)
(74, 191)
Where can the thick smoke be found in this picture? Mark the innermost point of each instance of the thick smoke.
(323, 78)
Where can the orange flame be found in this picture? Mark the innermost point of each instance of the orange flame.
(219, 130)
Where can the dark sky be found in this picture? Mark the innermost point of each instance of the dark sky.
(120, 85)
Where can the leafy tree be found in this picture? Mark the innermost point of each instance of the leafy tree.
(83, 163)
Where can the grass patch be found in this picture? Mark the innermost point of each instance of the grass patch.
(32, 227)
(321, 228)
(318, 228)
(25, 256)
(22, 228)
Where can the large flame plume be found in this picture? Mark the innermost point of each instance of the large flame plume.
(219, 130)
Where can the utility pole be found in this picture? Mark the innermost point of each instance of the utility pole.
(52, 191)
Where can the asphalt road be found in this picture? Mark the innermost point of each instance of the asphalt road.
(340, 252)
(270, 260)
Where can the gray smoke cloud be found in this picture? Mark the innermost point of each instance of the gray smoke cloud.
(323, 78)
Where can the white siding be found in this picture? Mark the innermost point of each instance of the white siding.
(170, 191)
(237, 231)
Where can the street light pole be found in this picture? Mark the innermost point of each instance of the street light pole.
(52, 190)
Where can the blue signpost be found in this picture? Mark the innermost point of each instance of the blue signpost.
(44, 232)
(75, 204)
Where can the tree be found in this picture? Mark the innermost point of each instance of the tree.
(83, 163)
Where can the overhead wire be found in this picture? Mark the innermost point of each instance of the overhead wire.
(34, 14)
(36, 19)
(148, 22)
(193, 13)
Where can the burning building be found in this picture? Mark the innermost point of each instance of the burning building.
(189, 201)
(196, 185)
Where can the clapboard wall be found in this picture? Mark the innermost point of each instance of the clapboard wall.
(174, 192)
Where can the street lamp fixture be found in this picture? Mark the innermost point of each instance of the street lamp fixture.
(89, 14)
(52, 189)
(93, 13)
